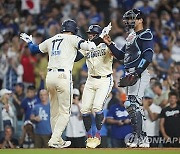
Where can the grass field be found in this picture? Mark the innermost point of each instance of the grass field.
(92, 151)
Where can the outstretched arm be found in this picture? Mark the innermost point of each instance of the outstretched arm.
(119, 54)
(34, 48)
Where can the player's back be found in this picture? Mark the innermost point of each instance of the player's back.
(62, 50)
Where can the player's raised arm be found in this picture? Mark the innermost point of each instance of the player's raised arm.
(119, 54)
(34, 48)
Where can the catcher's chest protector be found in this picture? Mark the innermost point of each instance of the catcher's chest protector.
(132, 51)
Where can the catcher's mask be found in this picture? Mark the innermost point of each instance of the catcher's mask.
(94, 30)
(130, 17)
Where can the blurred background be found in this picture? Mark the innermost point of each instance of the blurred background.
(22, 74)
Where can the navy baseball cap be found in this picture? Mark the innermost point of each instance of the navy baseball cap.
(19, 84)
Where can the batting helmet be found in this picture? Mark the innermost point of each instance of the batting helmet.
(95, 29)
(129, 18)
(69, 26)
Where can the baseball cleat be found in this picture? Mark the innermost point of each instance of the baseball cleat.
(144, 142)
(58, 145)
(96, 141)
(89, 142)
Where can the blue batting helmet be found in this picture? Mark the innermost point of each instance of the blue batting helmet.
(69, 26)
(95, 29)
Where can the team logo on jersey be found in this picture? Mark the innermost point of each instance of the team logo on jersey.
(96, 53)
(42, 114)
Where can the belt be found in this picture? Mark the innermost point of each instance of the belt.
(99, 77)
(59, 70)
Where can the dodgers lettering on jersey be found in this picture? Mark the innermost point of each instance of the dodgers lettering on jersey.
(99, 61)
(62, 50)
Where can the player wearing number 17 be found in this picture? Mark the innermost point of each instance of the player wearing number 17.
(62, 50)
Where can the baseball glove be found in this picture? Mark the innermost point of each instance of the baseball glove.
(128, 80)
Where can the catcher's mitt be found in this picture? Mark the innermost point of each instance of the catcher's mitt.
(128, 80)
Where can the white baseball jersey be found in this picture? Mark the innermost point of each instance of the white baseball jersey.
(62, 50)
(99, 61)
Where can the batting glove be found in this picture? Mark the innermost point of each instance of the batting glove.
(26, 37)
(106, 30)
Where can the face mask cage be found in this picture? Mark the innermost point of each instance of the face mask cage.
(129, 19)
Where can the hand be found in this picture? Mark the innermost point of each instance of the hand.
(37, 118)
(26, 37)
(106, 30)
(167, 137)
(7, 138)
(120, 123)
(107, 39)
(127, 121)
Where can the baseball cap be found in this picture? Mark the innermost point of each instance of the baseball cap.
(175, 10)
(76, 92)
(149, 95)
(5, 91)
(19, 84)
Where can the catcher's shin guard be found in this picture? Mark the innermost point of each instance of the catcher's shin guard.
(132, 107)
(98, 119)
(87, 120)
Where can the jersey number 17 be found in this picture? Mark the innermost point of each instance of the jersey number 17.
(55, 47)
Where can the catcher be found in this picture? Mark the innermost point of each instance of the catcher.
(137, 54)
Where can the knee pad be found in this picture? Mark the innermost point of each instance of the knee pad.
(99, 119)
(87, 120)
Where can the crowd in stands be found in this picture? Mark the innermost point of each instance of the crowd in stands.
(24, 103)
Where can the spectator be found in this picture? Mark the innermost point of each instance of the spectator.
(75, 131)
(163, 65)
(8, 142)
(18, 96)
(161, 97)
(152, 112)
(29, 102)
(7, 110)
(119, 120)
(146, 9)
(41, 118)
(27, 138)
(14, 73)
(170, 122)
(3, 62)
(28, 61)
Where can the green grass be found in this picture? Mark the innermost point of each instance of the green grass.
(92, 151)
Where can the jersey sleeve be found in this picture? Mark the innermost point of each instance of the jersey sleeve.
(43, 47)
(76, 41)
(84, 53)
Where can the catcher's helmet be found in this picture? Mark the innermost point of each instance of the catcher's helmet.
(129, 18)
(69, 26)
(94, 29)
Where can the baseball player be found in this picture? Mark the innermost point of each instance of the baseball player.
(98, 85)
(62, 50)
(137, 55)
